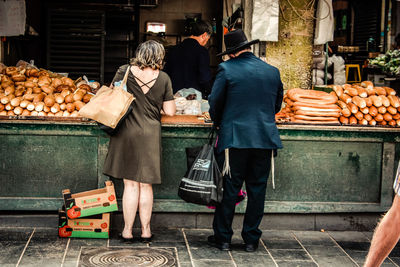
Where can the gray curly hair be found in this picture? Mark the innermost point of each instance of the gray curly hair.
(149, 54)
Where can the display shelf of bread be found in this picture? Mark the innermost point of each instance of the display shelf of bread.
(366, 104)
(356, 104)
(32, 93)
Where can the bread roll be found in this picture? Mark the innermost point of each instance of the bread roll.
(86, 98)
(15, 101)
(46, 109)
(39, 106)
(69, 98)
(56, 82)
(78, 96)
(59, 98)
(26, 112)
(55, 108)
(61, 88)
(37, 90)
(65, 92)
(18, 110)
(79, 105)
(29, 97)
(19, 91)
(67, 81)
(49, 100)
(70, 107)
(48, 89)
(30, 107)
(9, 90)
(39, 97)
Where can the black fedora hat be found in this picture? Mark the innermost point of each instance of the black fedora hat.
(235, 41)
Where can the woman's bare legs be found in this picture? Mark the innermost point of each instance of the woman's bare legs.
(145, 208)
(130, 200)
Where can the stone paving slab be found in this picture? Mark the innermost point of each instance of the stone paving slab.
(42, 247)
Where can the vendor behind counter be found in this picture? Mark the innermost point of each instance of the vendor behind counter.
(188, 63)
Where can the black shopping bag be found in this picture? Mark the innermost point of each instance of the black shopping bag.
(202, 183)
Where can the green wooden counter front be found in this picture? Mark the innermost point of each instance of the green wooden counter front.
(320, 170)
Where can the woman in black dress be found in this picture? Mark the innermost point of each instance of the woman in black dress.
(134, 153)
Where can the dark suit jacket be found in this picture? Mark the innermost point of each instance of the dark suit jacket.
(187, 64)
(245, 96)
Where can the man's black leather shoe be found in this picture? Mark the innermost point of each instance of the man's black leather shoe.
(251, 247)
(224, 246)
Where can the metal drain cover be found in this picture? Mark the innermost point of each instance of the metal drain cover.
(143, 257)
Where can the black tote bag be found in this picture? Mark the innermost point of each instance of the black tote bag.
(202, 183)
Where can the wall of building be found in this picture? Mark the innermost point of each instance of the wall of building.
(292, 54)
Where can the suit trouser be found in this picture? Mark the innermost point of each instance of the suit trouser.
(251, 166)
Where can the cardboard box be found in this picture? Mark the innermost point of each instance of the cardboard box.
(90, 202)
(96, 226)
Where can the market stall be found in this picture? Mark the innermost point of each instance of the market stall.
(322, 169)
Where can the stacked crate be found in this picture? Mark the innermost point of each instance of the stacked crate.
(86, 214)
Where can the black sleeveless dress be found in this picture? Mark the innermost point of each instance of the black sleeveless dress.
(134, 152)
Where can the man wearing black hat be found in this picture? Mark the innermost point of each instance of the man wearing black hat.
(245, 96)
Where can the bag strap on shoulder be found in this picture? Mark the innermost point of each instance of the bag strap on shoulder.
(125, 80)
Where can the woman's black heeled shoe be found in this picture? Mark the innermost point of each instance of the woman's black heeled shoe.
(146, 239)
(125, 240)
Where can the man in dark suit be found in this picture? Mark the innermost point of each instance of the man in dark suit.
(187, 63)
(245, 96)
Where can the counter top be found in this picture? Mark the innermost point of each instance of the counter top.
(179, 121)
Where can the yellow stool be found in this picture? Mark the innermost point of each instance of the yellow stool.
(357, 74)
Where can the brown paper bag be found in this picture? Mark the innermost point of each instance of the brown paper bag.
(108, 106)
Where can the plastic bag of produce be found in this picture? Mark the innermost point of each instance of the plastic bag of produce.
(188, 101)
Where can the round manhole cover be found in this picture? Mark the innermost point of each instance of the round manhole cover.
(146, 257)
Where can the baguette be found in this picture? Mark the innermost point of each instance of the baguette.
(344, 120)
(353, 108)
(47, 109)
(70, 107)
(1, 107)
(372, 122)
(59, 98)
(360, 102)
(392, 123)
(379, 117)
(359, 116)
(394, 101)
(373, 111)
(387, 117)
(346, 112)
(368, 117)
(385, 100)
(362, 92)
(367, 84)
(351, 91)
(391, 110)
(345, 98)
(10, 113)
(382, 110)
(30, 106)
(363, 122)
(318, 113)
(368, 101)
(352, 120)
(376, 101)
(396, 116)
(63, 106)
(382, 123)
(389, 91)
(34, 113)
(380, 91)
(338, 90)
(79, 105)
(9, 107)
(365, 110)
